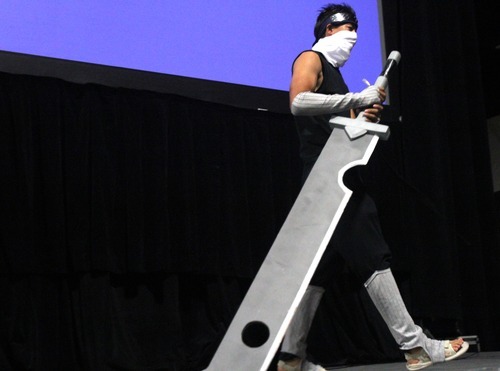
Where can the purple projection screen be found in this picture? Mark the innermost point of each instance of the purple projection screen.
(241, 42)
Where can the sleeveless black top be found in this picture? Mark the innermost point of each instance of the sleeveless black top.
(314, 131)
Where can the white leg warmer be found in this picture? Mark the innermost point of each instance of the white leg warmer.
(295, 340)
(385, 294)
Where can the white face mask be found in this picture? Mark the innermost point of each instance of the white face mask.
(337, 47)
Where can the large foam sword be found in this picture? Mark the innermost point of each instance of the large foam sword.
(259, 325)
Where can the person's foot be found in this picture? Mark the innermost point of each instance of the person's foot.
(298, 364)
(418, 359)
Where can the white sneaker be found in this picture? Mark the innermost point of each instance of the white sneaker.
(305, 365)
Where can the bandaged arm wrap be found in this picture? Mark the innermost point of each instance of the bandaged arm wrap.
(308, 103)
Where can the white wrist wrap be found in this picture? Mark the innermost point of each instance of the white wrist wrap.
(308, 103)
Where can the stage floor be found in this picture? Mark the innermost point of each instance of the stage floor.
(471, 361)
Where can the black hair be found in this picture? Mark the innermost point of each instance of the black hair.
(328, 11)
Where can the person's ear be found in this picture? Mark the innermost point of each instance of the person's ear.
(329, 30)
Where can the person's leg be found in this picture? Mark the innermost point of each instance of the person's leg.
(385, 294)
(363, 247)
(295, 340)
(294, 345)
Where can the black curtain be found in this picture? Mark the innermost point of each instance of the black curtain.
(449, 239)
(132, 222)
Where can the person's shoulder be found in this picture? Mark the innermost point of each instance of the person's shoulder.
(308, 56)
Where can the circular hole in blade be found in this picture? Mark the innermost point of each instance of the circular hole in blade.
(255, 334)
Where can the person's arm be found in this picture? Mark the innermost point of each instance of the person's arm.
(306, 79)
(306, 75)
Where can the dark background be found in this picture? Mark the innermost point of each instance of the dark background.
(133, 219)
